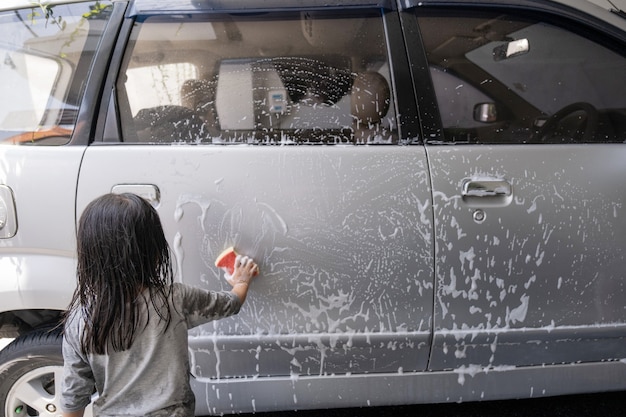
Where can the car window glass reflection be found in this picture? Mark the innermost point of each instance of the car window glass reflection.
(539, 83)
(283, 78)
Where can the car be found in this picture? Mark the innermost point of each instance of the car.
(434, 190)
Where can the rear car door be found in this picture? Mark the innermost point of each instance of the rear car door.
(529, 192)
(278, 133)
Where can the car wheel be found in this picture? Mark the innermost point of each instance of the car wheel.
(31, 368)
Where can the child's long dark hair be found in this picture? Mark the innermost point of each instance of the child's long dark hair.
(122, 252)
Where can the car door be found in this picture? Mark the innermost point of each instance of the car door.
(277, 133)
(528, 190)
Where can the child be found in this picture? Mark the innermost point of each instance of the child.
(126, 327)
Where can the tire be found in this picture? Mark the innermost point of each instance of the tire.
(30, 372)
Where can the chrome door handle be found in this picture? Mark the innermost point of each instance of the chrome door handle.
(487, 188)
(147, 191)
(487, 192)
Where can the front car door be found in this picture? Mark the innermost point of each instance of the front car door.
(529, 197)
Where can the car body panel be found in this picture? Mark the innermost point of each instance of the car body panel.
(38, 269)
(547, 261)
(342, 236)
(467, 383)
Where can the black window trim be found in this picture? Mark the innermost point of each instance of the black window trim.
(91, 103)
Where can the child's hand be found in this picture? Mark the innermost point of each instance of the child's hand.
(245, 270)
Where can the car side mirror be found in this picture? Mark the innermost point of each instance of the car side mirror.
(485, 112)
(511, 49)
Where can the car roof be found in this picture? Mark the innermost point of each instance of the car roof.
(226, 5)
(595, 12)
(610, 11)
(169, 5)
(272, 4)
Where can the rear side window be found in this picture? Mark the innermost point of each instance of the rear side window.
(284, 78)
(45, 53)
(501, 78)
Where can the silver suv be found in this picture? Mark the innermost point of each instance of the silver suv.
(435, 191)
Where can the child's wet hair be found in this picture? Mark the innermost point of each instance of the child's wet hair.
(122, 255)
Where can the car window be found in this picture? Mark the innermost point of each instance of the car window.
(43, 51)
(159, 83)
(285, 78)
(505, 79)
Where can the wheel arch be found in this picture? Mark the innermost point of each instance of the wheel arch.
(35, 290)
(14, 324)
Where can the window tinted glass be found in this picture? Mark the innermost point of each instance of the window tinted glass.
(503, 79)
(44, 54)
(272, 78)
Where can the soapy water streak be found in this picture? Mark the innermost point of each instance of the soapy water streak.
(343, 249)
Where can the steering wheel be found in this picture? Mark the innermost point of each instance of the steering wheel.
(585, 128)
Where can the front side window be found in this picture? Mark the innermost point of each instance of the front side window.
(505, 79)
(306, 77)
(44, 53)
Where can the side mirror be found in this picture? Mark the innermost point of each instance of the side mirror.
(485, 112)
(511, 49)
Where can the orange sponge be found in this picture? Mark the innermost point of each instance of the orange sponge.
(226, 260)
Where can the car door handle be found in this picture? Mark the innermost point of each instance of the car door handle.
(487, 192)
(486, 188)
(149, 192)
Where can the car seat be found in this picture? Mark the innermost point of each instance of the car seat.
(370, 98)
(199, 95)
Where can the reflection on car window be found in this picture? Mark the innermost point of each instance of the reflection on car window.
(159, 83)
(40, 54)
(283, 78)
(501, 79)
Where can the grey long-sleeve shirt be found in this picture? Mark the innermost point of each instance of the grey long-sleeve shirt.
(152, 377)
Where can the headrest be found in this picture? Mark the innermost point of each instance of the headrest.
(195, 94)
(370, 97)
